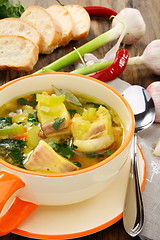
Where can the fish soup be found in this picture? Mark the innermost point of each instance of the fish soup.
(58, 131)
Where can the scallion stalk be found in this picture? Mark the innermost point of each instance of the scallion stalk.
(134, 30)
(92, 68)
(90, 46)
(150, 59)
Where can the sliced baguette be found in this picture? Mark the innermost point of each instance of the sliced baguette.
(15, 26)
(42, 20)
(80, 19)
(17, 53)
(64, 19)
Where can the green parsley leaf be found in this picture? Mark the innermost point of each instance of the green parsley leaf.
(5, 121)
(94, 155)
(17, 157)
(109, 152)
(54, 145)
(12, 144)
(66, 151)
(96, 105)
(78, 164)
(72, 112)
(63, 149)
(32, 118)
(57, 123)
(13, 148)
(24, 101)
(7, 9)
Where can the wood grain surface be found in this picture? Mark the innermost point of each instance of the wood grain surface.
(150, 10)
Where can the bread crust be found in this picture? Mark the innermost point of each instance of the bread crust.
(17, 53)
(44, 23)
(65, 20)
(81, 21)
(16, 26)
(39, 30)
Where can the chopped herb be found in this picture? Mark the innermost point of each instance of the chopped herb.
(57, 123)
(100, 156)
(78, 164)
(97, 155)
(32, 103)
(96, 105)
(91, 155)
(109, 152)
(5, 121)
(24, 101)
(17, 157)
(54, 145)
(72, 112)
(3, 153)
(13, 149)
(66, 151)
(94, 155)
(32, 118)
(23, 123)
(12, 144)
(7, 9)
(63, 149)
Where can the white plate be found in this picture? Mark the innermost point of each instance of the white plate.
(81, 219)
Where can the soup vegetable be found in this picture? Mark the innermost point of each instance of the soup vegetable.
(58, 131)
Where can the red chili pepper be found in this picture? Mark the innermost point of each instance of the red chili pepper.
(99, 11)
(115, 69)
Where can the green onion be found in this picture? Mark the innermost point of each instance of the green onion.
(92, 68)
(130, 17)
(86, 48)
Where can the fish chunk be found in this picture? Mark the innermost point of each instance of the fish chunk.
(44, 158)
(92, 132)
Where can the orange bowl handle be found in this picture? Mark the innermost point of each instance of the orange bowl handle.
(19, 209)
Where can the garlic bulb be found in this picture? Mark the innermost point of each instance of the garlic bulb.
(154, 90)
(151, 56)
(135, 25)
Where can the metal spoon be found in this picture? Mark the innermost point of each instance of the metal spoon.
(144, 112)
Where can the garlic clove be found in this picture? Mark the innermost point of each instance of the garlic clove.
(154, 90)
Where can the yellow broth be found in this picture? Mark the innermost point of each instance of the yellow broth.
(19, 114)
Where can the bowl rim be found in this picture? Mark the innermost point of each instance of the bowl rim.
(84, 170)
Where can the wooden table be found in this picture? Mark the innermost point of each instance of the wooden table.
(150, 10)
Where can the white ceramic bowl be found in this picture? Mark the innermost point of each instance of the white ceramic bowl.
(72, 187)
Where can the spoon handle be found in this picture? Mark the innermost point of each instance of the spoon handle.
(133, 214)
